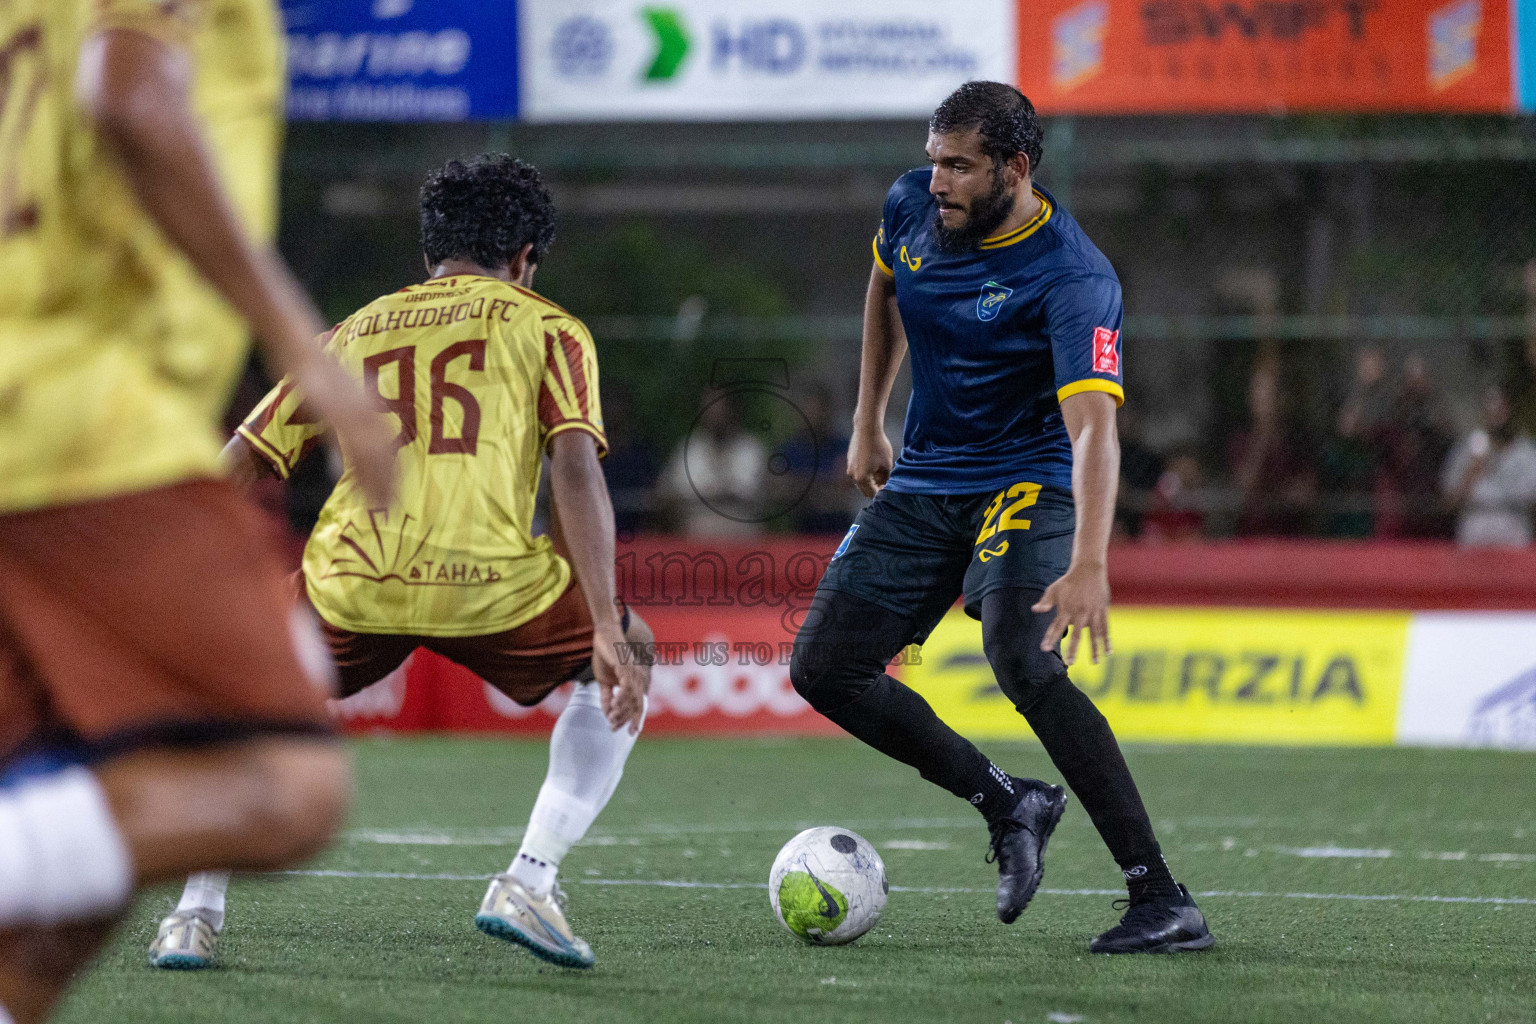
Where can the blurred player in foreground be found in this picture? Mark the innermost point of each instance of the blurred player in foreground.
(484, 377)
(161, 707)
(1005, 491)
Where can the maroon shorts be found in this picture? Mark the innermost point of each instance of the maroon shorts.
(161, 613)
(525, 662)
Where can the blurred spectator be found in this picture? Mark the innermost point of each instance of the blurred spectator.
(814, 460)
(1349, 460)
(1381, 469)
(712, 486)
(1413, 445)
(632, 463)
(1370, 398)
(1174, 510)
(1491, 479)
(1140, 468)
(1520, 380)
(1520, 364)
(1272, 462)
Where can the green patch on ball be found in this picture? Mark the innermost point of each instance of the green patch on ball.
(810, 907)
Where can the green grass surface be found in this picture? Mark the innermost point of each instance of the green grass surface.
(1246, 826)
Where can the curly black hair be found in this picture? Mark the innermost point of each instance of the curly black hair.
(486, 210)
(1004, 116)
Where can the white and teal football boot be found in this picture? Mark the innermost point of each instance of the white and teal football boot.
(534, 921)
(186, 941)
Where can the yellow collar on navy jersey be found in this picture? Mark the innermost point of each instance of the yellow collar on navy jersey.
(1025, 230)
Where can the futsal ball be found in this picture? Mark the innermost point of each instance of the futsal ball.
(828, 886)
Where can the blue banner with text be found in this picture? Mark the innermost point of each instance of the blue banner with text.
(402, 60)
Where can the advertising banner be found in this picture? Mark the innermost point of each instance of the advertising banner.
(401, 60)
(725, 618)
(1525, 53)
(746, 59)
(1178, 675)
(1470, 681)
(1199, 675)
(1261, 56)
(720, 670)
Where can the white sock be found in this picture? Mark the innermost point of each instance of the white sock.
(5, 1018)
(205, 892)
(586, 761)
(62, 857)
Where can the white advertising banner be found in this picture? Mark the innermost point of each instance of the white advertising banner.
(596, 60)
(1469, 680)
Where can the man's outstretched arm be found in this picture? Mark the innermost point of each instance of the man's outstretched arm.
(1081, 597)
(581, 506)
(136, 89)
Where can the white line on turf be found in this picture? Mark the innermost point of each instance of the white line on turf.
(664, 883)
(499, 836)
(513, 835)
(427, 835)
(407, 876)
(1333, 852)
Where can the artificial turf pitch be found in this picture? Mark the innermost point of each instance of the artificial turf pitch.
(1294, 848)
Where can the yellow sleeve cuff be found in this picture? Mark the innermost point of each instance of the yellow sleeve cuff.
(584, 427)
(874, 244)
(271, 455)
(1077, 387)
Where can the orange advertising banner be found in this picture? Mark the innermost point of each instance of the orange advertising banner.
(1265, 56)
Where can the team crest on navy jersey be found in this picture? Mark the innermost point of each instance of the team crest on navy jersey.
(993, 295)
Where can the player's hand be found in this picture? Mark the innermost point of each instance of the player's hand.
(622, 677)
(1081, 600)
(869, 459)
(367, 437)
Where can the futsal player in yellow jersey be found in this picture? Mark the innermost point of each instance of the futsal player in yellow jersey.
(238, 97)
(157, 711)
(482, 377)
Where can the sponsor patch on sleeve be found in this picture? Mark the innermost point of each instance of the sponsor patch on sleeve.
(1106, 356)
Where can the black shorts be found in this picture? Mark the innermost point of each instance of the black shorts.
(915, 553)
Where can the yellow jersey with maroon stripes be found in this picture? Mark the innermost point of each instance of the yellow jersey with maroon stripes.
(479, 375)
(116, 359)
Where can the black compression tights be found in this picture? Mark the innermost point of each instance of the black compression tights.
(839, 667)
(1072, 730)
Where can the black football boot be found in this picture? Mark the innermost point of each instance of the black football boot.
(1018, 844)
(1157, 925)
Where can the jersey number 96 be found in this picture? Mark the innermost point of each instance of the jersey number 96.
(403, 404)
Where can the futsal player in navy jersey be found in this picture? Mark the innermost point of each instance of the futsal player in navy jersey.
(1004, 492)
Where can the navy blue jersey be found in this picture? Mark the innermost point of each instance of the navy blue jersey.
(998, 337)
